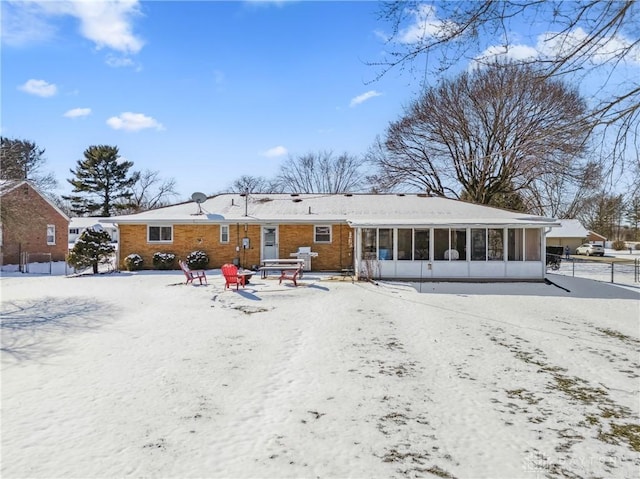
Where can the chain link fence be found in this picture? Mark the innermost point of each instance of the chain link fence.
(610, 270)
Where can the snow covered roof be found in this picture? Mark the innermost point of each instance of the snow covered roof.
(568, 229)
(355, 209)
(83, 222)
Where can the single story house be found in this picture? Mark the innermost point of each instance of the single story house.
(32, 227)
(78, 225)
(390, 236)
(571, 233)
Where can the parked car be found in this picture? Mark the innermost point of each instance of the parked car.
(590, 249)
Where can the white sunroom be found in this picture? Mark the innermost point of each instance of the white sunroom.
(453, 251)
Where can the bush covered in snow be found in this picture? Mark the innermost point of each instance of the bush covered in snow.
(198, 260)
(133, 262)
(164, 260)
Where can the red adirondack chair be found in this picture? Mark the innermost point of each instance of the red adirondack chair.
(231, 276)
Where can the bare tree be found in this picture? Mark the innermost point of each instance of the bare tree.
(581, 38)
(254, 184)
(603, 214)
(322, 173)
(23, 160)
(151, 191)
(485, 136)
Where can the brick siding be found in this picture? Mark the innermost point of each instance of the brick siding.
(25, 218)
(187, 238)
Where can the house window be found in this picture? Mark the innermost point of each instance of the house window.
(478, 244)
(514, 244)
(160, 234)
(74, 231)
(421, 245)
(496, 245)
(532, 244)
(51, 234)
(369, 243)
(224, 233)
(405, 243)
(450, 244)
(322, 234)
(385, 243)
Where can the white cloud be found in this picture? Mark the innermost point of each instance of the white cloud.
(133, 122)
(364, 97)
(24, 24)
(77, 113)
(426, 25)
(275, 152)
(501, 52)
(116, 61)
(39, 88)
(552, 44)
(106, 23)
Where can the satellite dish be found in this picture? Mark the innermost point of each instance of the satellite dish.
(199, 197)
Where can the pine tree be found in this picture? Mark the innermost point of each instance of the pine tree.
(102, 181)
(92, 247)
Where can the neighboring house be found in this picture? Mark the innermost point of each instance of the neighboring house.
(79, 224)
(404, 236)
(31, 224)
(596, 238)
(571, 233)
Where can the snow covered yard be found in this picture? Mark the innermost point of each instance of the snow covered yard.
(138, 375)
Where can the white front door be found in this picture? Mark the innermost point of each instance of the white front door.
(269, 242)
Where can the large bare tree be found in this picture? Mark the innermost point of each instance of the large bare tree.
(322, 172)
(254, 184)
(496, 132)
(152, 191)
(577, 39)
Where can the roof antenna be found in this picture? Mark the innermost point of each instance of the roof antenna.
(199, 198)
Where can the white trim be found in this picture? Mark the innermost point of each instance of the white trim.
(315, 234)
(53, 229)
(222, 228)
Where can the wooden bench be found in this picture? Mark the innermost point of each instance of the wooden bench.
(192, 274)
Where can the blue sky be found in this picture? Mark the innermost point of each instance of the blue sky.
(204, 91)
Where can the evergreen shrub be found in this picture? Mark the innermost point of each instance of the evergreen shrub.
(197, 260)
(164, 260)
(133, 262)
(92, 247)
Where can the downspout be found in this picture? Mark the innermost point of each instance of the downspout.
(543, 253)
(356, 250)
(119, 247)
